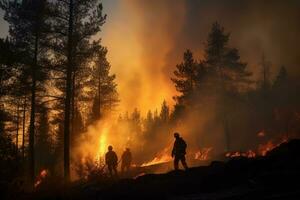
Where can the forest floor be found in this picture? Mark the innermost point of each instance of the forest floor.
(274, 176)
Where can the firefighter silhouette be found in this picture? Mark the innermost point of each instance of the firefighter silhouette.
(179, 151)
(111, 160)
(126, 160)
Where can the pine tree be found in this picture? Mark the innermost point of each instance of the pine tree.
(74, 25)
(26, 28)
(264, 83)
(223, 62)
(43, 145)
(78, 128)
(164, 113)
(6, 72)
(7, 61)
(102, 86)
(149, 121)
(185, 79)
(135, 121)
(225, 70)
(284, 101)
(281, 78)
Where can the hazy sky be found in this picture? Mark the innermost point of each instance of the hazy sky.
(146, 39)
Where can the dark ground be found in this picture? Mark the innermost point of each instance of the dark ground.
(275, 176)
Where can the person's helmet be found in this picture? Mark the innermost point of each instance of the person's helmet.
(110, 148)
(176, 135)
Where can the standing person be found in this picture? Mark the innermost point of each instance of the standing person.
(126, 160)
(179, 151)
(111, 160)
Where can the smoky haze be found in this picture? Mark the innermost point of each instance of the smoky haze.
(147, 39)
(159, 31)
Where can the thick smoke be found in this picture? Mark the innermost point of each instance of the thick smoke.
(147, 39)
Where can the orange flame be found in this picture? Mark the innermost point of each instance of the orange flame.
(203, 154)
(42, 175)
(248, 154)
(162, 157)
(158, 160)
(262, 150)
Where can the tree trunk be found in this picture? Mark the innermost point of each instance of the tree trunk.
(32, 114)
(72, 105)
(17, 133)
(224, 112)
(23, 128)
(227, 132)
(68, 97)
(99, 93)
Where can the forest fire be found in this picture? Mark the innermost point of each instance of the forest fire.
(158, 160)
(248, 154)
(162, 157)
(262, 150)
(42, 175)
(77, 109)
(102, 144)
(203, 154)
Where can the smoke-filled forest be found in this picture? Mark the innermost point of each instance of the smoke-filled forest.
(81, 80)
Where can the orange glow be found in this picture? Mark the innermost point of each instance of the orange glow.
(262, 150)
(141, 58)
(203, 154)
(158, 160)
(102, 143)
(42, 175)
(248, 154)
(163, 157)
(261, 133)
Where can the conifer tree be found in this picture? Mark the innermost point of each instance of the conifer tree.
(27, 28)
(74, 24)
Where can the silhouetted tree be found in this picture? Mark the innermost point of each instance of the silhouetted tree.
(102, 86)
(149, 121)
(74, 24)
(164, 113)
(44, 144)
(281, 78)
(185, 79)
(226, 70)
(78, 128)
(223, 62)
(26, 27)
(6, 73)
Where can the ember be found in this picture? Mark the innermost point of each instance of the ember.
(248, 154)
(43, 174)
(261, 133)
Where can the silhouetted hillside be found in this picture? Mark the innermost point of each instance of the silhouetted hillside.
(275, 176)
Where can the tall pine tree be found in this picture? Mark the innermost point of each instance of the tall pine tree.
(102, 87)
(227, 73)
(74, 24)
(27, 26)
(185, 79)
